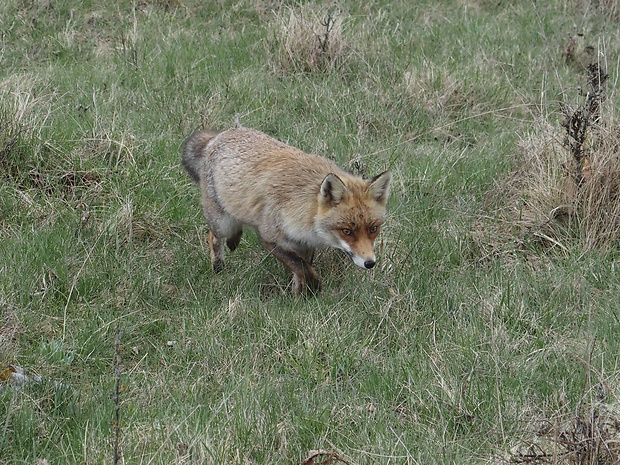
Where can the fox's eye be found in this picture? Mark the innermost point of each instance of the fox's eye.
(346, 231)
(373, 229)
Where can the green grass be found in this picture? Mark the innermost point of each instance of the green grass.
(451, 350)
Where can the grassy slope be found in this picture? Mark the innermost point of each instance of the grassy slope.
(436, 356)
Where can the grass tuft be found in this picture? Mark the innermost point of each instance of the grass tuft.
(308, 40)
(568, 179)
(21, 121)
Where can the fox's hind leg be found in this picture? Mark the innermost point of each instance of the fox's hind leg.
(217, 248)
(217, 252)
(227, 231)
(222, 228)
(303, 273)
(308, 256)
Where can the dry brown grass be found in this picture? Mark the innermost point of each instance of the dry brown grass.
(588, 437)
(441, 92)
(308, 39)
(566, 186)
(584, 434)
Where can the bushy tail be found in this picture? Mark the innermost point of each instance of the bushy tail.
(193, 152)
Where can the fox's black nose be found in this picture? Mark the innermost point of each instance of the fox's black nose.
(369, 264)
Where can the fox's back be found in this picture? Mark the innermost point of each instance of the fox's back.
(251, 171)
(246, 155)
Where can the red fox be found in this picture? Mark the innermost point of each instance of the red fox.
(296, 201)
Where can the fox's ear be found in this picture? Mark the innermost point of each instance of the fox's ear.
(333, 190)
(379, 187)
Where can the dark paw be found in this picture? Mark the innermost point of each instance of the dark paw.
(217, 266)
(314, 285)
(233, 242)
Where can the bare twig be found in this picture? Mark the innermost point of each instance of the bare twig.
(328, 23)
(327, 458)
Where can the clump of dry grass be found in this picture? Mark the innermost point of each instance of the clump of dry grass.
(307, 39)
(586, 438)
(566, 189)
(20, 119)
(440, 92)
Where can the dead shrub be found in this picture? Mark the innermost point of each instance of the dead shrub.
(566, 188)
(307, 39)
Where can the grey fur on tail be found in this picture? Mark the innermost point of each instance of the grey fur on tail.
(193, 152)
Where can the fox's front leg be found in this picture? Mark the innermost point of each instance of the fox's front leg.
(303, 273)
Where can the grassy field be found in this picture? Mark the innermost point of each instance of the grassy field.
(487, 332)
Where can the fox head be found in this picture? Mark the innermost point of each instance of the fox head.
(350, 214)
